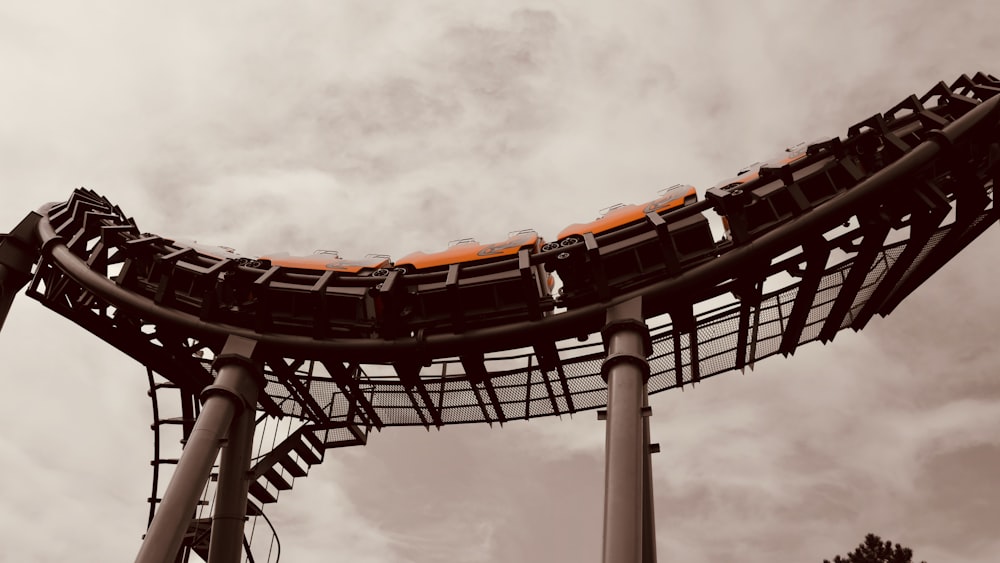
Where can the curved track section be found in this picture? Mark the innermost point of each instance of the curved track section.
(815, 246)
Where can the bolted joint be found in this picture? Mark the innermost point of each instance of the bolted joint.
(242, 398)
(625, 359)
(239, 377)
(625, 326)
(628, 325)
(244, 362)
(236, 350)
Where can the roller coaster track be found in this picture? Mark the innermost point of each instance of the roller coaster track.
(813, 247)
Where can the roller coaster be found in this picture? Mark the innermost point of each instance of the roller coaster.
(819, 238)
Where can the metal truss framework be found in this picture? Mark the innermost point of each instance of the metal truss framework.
(817, 246)
(904, 221)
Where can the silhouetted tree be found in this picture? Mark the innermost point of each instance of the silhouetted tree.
(874, 550)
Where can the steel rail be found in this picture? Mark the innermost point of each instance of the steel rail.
(586, 319)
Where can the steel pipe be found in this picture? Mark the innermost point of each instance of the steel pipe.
(626, 372)
(226, 545)
(166, 531)
(232, 397)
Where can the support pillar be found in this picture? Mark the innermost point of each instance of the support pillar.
(229, 517)
(626, 372)
(223, 402)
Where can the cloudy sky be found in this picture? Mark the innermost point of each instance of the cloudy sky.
(398, 126)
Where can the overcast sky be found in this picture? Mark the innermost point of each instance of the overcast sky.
(398, 126)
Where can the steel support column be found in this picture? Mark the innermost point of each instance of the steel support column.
(223, 401)
(626, 371)
(238, 377)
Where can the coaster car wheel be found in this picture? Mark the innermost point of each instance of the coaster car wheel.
(250, 263)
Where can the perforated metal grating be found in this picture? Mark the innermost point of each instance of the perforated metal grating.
(526, 392)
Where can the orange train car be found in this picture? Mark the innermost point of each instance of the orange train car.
(342, 305)
(468, 251)
(749, 173)
(291, 302)
(770, 200)
(626, 255)
(321, 260)
(471, 284)
(372, 264)
(619, 216)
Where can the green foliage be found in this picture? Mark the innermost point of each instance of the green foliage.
(874, 550)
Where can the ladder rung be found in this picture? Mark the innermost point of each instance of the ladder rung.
(174, 420)
(167, 461)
